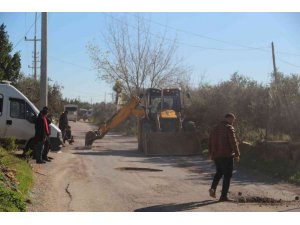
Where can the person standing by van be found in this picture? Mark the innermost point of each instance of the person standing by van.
(47, 144)
(63, 124)
(41, 133)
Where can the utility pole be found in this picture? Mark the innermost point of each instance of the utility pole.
(269, 97)
(34, 51)
(44, 77)
(274, 64)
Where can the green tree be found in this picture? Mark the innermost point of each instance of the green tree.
(285, 104)
(31, 89)
(10, 65)
(240, 95)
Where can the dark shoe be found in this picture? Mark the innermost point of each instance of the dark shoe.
(225, 199)
(50, 158)
(212, 193)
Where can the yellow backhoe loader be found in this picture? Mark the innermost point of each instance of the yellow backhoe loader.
(161, 126)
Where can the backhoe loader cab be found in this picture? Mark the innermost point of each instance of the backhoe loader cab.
(162, 109)
(160, 131)
(165, 99)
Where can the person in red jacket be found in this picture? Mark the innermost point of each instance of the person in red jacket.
(223, 149)
(42, 131)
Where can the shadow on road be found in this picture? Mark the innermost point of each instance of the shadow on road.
(176, 207)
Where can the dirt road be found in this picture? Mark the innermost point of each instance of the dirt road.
(114, 176)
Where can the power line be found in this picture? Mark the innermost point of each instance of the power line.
(192, 45)
(288, 53)
(217, 40)
(288, 63)
(70, 63)
(22, 38)
(186, 44)
(203, 36)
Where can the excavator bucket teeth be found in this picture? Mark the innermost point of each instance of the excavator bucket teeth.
(90, 137)
(171, 143)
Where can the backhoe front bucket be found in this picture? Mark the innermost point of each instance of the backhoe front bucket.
(171, 143)
(90, 137)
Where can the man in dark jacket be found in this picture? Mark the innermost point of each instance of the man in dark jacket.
(47, 145)
(223, 149)
(41, 133)
(63, 124)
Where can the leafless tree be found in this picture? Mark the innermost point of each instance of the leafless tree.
(137, 57)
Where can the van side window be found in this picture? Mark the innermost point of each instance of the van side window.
(30, 114)
(1, 104)
(17, 108)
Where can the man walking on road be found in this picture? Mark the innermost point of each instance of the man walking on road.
(223, 149)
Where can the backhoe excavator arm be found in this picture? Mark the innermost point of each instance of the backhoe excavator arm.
(119, 117)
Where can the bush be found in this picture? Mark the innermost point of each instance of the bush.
(10, 144)
(205, 152)
(295, 178)
(11, 201)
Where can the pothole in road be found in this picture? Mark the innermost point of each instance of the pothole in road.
(83, 148)
(138, 169)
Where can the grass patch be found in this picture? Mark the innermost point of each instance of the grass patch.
(11, 201)
(205, 153)
(9, 144)
(15, 182)
(295, 178)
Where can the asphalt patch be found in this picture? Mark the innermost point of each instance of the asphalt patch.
(260, 200)
(263, 200)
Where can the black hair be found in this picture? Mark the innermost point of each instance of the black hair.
(45, 110)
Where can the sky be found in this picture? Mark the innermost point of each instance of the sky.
(213, 45)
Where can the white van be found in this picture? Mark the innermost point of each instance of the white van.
(17, 118)
(72, 111)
